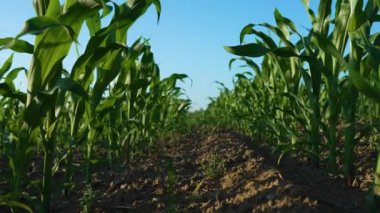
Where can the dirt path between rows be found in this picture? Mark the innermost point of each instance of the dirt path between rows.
(222, 171)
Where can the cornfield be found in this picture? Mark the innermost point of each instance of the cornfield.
(309, 84)
(307, 95)
(112, 98)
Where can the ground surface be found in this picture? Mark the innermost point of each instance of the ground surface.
(220, 171)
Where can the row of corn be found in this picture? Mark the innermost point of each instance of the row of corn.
(111, 104)
(311, 89)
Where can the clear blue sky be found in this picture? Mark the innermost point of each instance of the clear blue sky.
(188, 39)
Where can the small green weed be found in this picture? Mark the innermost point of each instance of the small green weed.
(87, 200)
(214, 167)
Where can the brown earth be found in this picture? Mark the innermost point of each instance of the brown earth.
(222, 171)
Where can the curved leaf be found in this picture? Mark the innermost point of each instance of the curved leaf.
(7, 90)
(250, 50)
(67, 84)
(16, 204)
(6, 66)
(157, 4)
(16, 45)
(40, 24)
(13, 74)
(364, 86)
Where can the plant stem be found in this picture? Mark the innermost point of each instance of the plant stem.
(47, 177)
(349, 135)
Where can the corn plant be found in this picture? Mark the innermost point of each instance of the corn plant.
(287, 62)
(363, 58)
(110, 86)
(308, 74)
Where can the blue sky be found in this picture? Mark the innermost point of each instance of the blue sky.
(188, 39)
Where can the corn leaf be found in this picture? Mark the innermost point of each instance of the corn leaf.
(7, 90)
(67, 84)
(363, 85)
(6, 66)
(249, 50)
(16, 204)
(16, 45)
(54, 44)
(40, 24)
(13, 74)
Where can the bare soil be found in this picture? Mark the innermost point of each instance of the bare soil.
(222, 171)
